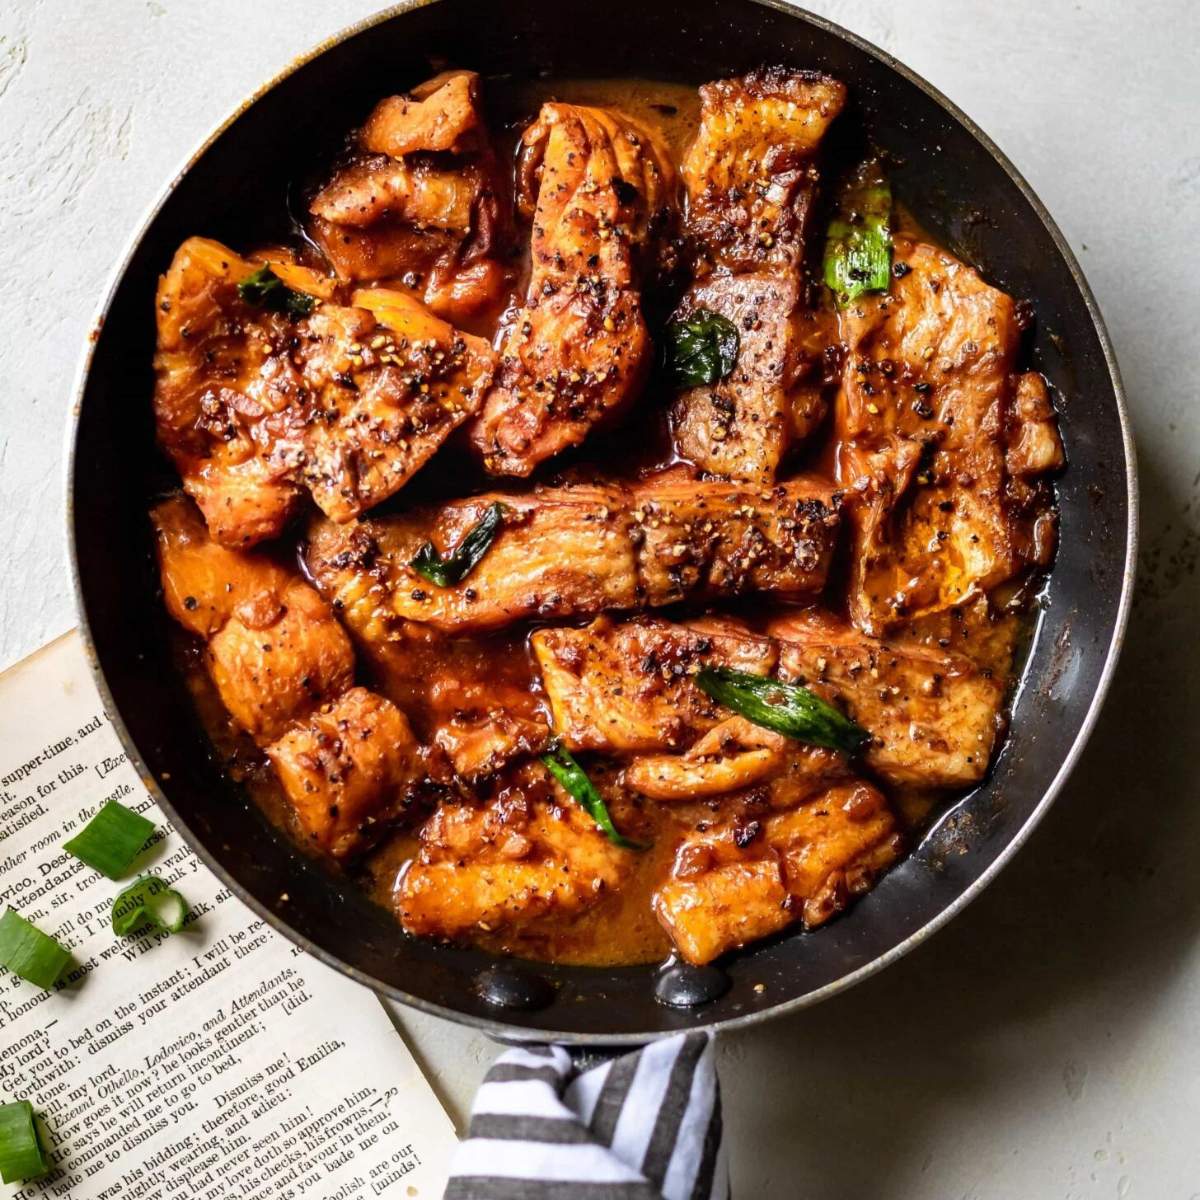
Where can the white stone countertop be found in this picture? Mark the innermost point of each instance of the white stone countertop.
(1047, 1044)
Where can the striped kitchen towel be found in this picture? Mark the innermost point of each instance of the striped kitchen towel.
(646, 1126)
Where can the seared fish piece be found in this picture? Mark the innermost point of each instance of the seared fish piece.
(421, 198)
(713, 540)
(347, 767)
(942, 446)
(420, 379)
(628, 688)
(204, 583)
(275, 650)
(426, 196)
(284, 669)
(749, 876)
(581, 550)
(577, 353)
(483, 725)
(277, 659)
(224, 390)
(934, 715)
(751, 179)
(253, 406)
(749, 175)
(733, 756)
(559, 551)
(527, 859)
(441, 114)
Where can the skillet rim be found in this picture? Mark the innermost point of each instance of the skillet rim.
(497, 1028)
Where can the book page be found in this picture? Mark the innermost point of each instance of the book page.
(217, 1062)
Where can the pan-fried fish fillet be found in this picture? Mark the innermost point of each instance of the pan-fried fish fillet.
(421, 199)
(273, 662)
(581, 550)
(746, 877)
(482, 720)
(749, 174)
(628, 688)
(347, 767)
(559, 551)
(224, 391)
(275, 651)
(713, 540)
(284, 669)
(419, 380)
(441, 114)
(424, 195)
(928, 417)
(731, 757)
(204, 583)
(254, 406)
(933, 715)
(528, 857)
(751, 180)
(743, 426)
(578, 352)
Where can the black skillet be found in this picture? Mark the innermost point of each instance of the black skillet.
(955, 181)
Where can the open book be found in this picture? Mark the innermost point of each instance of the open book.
(218, 1062)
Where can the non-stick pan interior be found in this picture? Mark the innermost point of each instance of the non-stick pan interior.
(951, 181)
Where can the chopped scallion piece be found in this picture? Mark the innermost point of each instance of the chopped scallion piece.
(264, 289)
(148, 902)
(111, 840)
(702, 348)
(28, 952)
(562, 765)
(783, 707)
(21, 1153)
(858, 246)
(455, 567)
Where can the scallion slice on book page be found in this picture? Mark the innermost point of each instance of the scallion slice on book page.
(148, 904)
(111, 840)
(21, 1153)
(28, 952)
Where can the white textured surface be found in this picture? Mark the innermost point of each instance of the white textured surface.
(1048, 1043)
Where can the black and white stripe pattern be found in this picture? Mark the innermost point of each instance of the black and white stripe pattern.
(646, 1126)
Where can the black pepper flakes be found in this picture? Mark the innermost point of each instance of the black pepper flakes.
(744, 832)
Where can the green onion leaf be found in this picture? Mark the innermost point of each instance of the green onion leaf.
(562, 765)
(783, 707)
(21, 1153)
(454, 568)
(28, 952)
(111, 840)
(148, 901)
(858, 246)
(264, 289)
(702, 349)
